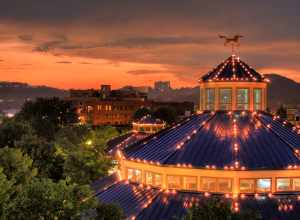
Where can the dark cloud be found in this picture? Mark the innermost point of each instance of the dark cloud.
(64, 62)
(146, 72)
(86, 63)
(25, 37)
(155, 41)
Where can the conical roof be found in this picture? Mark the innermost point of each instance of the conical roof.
(208, 140)
(233, 69)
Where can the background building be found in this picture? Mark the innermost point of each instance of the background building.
(162, 86)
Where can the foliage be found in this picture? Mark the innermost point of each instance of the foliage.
(5, 190)
(141, 112)
(47, 115)
(83, 150)
(12, 131)
(282, 112)
(45, 199)
(217, 209)
(17, 166)
(109, 212)
(166, 114)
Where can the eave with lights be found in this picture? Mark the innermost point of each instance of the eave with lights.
(231, 149)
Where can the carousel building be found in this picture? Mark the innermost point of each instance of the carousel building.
(231, 149)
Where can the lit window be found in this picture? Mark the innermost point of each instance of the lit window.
(134, 175)
(224, 185)
(157, 180)
(149, 178)
(242, 99)
(283, 184)
(174, 182)
(263, 185)
(257, 95)
(209, 184)
(210, 99)
(296, 184)
(247, 185)
(225, 99)
(190, 183)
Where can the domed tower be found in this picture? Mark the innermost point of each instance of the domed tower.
(233, 85)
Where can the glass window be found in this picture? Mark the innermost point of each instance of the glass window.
(210, 99)
(157, 180)
(247, 185)
(174, 182)
(225, 99)
(224, 185)
(296, 184)
(257, 98)
(149, 179)
(263, 185)
(134, 175)
(283, 184)
(242, 99)
(190, 183)
(209, 184)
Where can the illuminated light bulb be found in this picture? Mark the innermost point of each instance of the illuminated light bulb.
(268, 126)
(206, 194)
(243, 168)
(256, 195)
(290, 167)
(227, 195)
(225, 167)
(207, 166)
(236, 147)
(270, 195)
(236, 163)
(242, 196)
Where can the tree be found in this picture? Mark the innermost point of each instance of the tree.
(217, 209)
(141, 112)
(282, 112)
(83, 151)
(17, 166)
(12, 131)
(5, 190)
(45, 199)
(109, 212)
(47, 115)
(166, 114)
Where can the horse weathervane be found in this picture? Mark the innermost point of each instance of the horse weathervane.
(233, 41)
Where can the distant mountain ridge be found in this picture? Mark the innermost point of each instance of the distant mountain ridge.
(14, 94)
(281, 90)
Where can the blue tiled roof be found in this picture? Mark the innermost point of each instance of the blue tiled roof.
(147, 203)
(207, 139)
(233, 67)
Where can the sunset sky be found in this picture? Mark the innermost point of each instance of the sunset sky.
(82, 44)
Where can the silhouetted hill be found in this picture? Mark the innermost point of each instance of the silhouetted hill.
(14, 94)
(282, 90)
